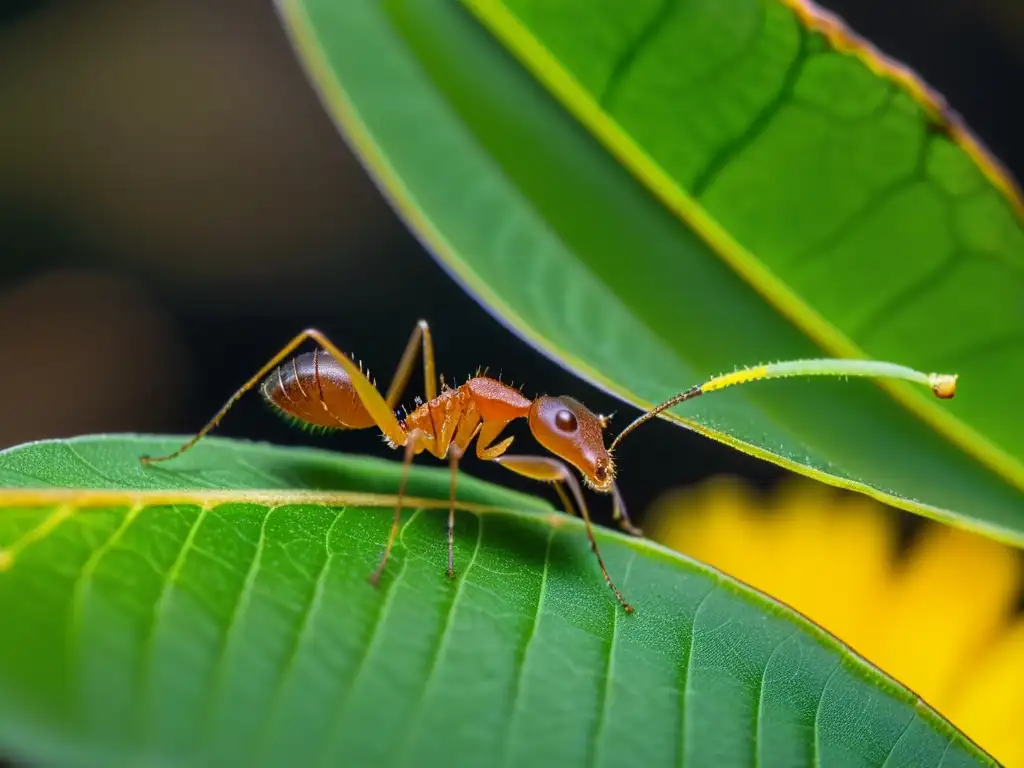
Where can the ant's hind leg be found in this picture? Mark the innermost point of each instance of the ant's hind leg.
(549, 470)
(375, 404)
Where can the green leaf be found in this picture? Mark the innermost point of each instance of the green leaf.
(891, 216)
(571, 249)
(173, 614)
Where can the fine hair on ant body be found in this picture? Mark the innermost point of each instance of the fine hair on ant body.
(325, 388)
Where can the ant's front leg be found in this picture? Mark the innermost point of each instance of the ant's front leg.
(549, 470)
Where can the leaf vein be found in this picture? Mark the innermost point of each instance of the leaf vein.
(817, 713)
(234, 620)
(147, 658)
(301, 633)
(35, 535)
(724, 156)
(896, 743)
(945, 752)
(625, 62)
(80, 457)
(759, 715)
(83, 581)
(876, 321)
(517, 684)
(848, 226)
(685, 682)
(605, 698)
(443, 641)
(387, 600)
(272, 479)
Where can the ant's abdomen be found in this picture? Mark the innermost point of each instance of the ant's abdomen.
(315, 390)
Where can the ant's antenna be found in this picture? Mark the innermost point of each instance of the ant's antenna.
(943, 385)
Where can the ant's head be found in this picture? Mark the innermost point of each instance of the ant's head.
(572, 432)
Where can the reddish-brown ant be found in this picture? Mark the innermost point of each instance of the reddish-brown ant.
(326, 388)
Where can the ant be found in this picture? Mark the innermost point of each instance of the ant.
(325, 388)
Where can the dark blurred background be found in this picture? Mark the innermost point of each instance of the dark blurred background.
(175, 205)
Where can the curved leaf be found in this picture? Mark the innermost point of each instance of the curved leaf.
(827, 176)
(567, 247)
(173, 615)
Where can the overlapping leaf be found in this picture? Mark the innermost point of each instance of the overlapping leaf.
(577, 251)
(829, 177)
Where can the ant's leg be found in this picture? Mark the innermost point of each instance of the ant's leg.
(489, 432)
(416, 437)
(619, 513)
(420, 338)
(564, 498)
(454, 454)
(376, 406)
(550, 470)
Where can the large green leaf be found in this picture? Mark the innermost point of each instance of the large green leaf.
(568, 247)
(174, 615)
(890, 217)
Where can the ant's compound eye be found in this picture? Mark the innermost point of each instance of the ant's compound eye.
(565, 420)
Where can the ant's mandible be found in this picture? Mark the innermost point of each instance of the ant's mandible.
(326, 388)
